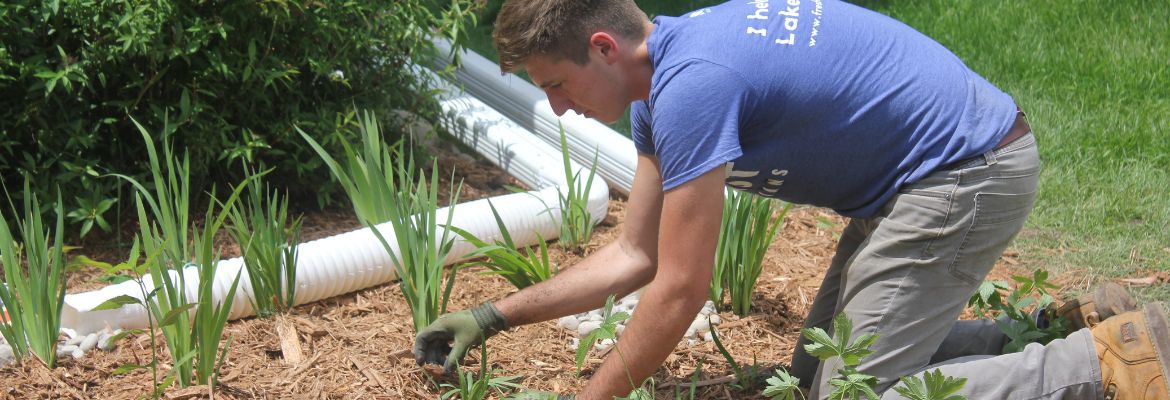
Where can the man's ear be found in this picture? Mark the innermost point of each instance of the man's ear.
(607, 45)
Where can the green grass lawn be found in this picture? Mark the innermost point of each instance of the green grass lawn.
(1094, 78)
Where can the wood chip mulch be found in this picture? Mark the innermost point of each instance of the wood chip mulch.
(357, 346)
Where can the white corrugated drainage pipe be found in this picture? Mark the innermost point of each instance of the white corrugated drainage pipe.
(527, 105)
(355, 260)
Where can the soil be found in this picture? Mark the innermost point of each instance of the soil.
(357, 346)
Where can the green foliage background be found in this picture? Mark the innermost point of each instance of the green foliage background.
(231, 78)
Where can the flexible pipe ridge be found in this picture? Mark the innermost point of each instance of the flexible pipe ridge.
(528, 106)
(355, 260)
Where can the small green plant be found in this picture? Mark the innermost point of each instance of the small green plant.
(193, 340)
(576, 222)
(504, 259)
(470, 387)
(694, 383)
(154, 318)
(34, 277)
(211, 317)
(783, 386)
(936, 387)
(381, 184)
(268, 241)
(414, 218)
(644, 392)
(1012, 311)
(167, 235)
(690, 388)
(607, 330)
(852, 384)
(367, 172)
(744, 376)
(91, 210)
(744, 236)
(537, 395)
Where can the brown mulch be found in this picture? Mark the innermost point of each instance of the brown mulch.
(357, 346)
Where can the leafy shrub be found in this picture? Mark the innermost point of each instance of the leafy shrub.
(234, 77)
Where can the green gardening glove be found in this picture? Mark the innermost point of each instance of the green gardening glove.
(445, 341)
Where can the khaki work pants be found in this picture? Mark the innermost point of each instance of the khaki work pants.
(906, 274)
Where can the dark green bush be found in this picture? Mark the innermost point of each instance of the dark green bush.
(232, 78)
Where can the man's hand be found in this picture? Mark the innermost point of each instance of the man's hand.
(447, 340)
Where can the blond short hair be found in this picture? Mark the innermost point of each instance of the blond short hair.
(560, 29)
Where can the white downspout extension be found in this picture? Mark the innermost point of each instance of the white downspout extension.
(526, 104)
(355, 260)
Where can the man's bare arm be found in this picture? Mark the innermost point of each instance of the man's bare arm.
(618, 268)
(689, 229)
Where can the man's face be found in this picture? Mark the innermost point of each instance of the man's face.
(593, 90)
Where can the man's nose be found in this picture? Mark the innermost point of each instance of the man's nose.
(559, 104)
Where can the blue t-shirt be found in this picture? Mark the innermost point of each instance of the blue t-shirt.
(811, 101)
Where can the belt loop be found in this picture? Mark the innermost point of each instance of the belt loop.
(989, 157)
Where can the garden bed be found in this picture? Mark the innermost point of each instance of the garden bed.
(357, 346)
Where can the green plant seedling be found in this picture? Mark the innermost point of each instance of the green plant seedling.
(422, 248)
(825, 347)
(536, 395)
(166, 234)
(34, 282)
(852, 384)
(647, 391)
(504, 259)
(694, 385)
(135, 272)
(747, 230)
(382, 185)
(849, 384)
(740, 378)
(91, 210)
(641, 393)
(744, 376)
(268, 241)
(1012, 312)
(472, 388)
(366, 174)
(607, 330)
(936, 387)
(783, 386)
(576, 222)
(210, 316)
(193, 340)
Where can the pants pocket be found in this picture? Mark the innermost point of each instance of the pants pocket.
(908, 225)
(998, 217)
(1002, 208)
